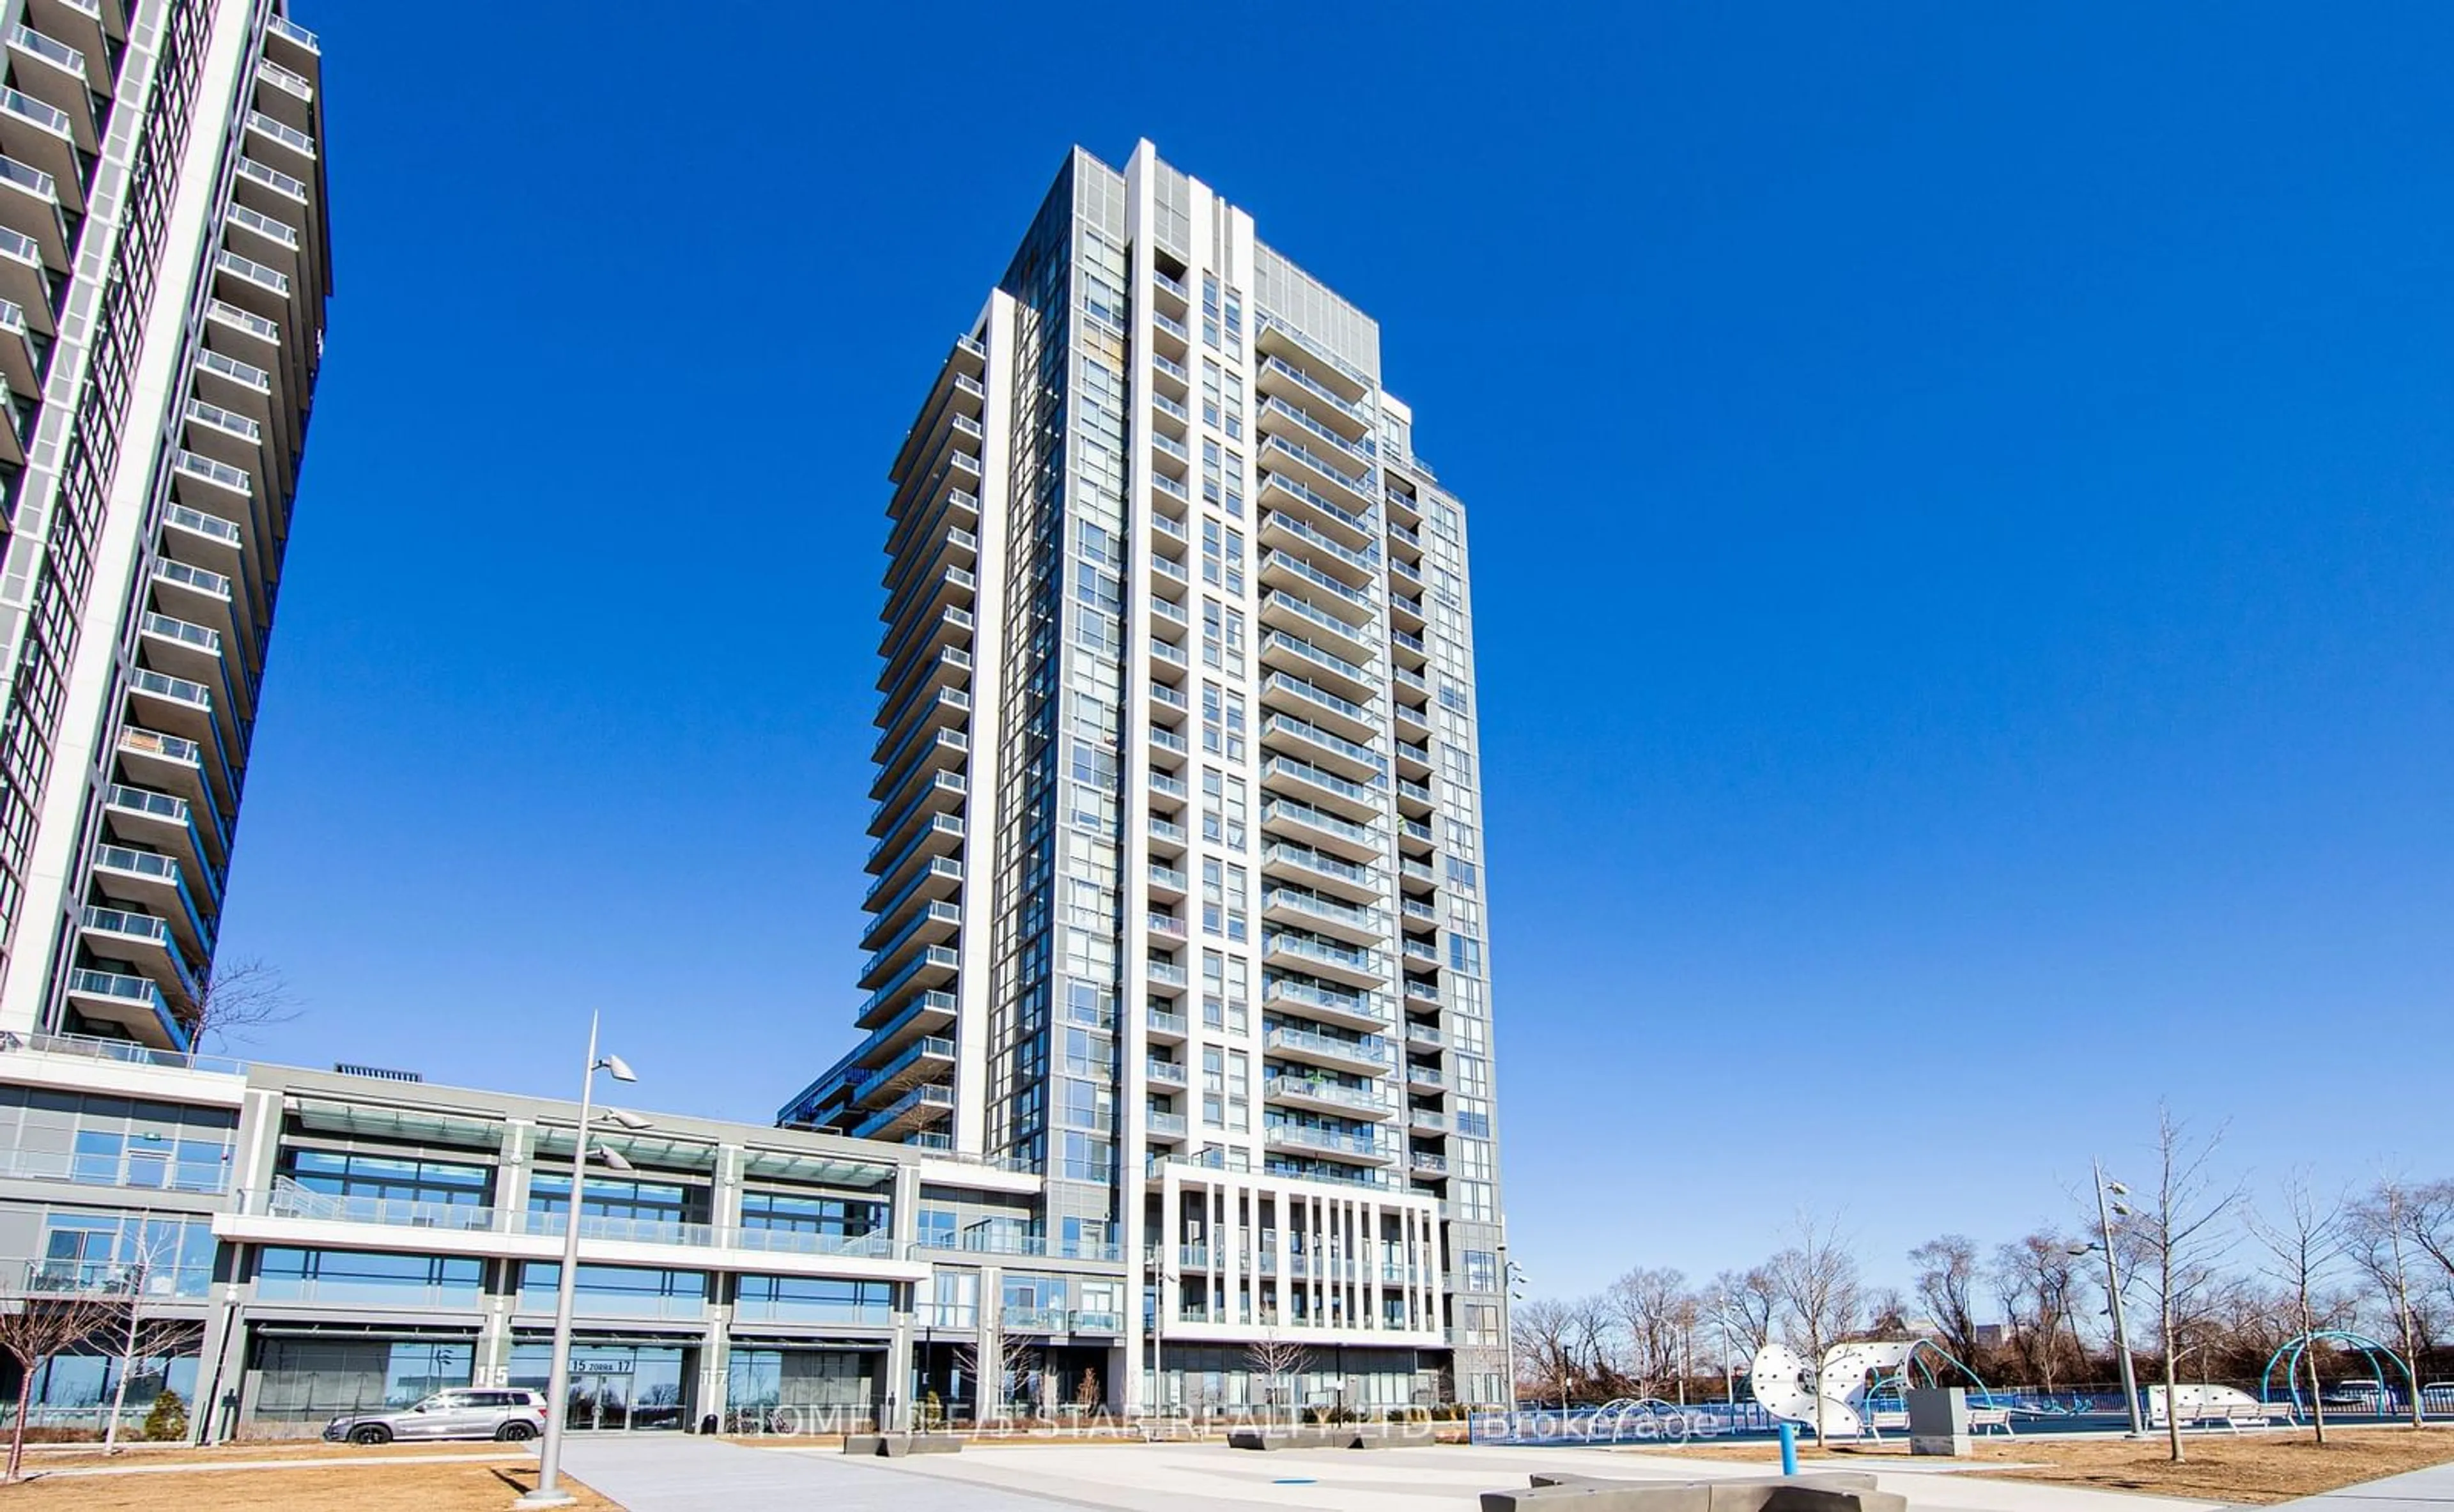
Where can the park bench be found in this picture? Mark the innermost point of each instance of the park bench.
(1982, 1418)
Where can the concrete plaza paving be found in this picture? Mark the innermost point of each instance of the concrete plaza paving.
(2429, 1490)
(664, 1473)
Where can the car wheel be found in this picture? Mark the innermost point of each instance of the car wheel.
(371, 1433)
(514, 1432)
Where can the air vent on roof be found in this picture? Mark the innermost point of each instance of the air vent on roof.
(378, 1072)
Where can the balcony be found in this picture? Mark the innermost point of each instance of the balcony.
(1166, 837)
(78, 26)
(262, 239)
(55, 72)
(1163, 973)
(1170, 793)
(916, 1109)
(1284, 611)
(1170, 376)
(236, 380)
(1164, 1125)
(1162, 1024)
(1288, 819)
(173, 704)
(1343, 503)
(171, 763)
(1167, 884)
(42, 138)
(1318, 705)
(1425, 1163)
(142, 816)
(1367, 1056)
(931, 968)
(277, 144)
(24, 281)
(1427, 1120)
(285, 96)
(1308, 997)
(156, 885)
(929, 1058)
(1359, 569)
(133, 1003)
(1281, 379)
(1301, 658)
(1322, 789)
(1169, 337)
(1322, 871)
(185, 650)
(197, 596)
(1420, 1078)
(1281, 570)
(940, 879)
(1304, 910)
(292, 45)
(1363, 1149)
(1323, 957)
(1322, 1095)
(29, 205)
(114, 933)
(1275, 417)
(1166, 926)
(910, 956)
(1163, 1073)
(268, 191)
(223, 496)
(19, 365)
(231, 439)
(1325, 749)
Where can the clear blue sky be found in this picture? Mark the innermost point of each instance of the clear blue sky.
(1959, 509)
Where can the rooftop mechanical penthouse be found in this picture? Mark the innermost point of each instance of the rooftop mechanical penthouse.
(1178, 900)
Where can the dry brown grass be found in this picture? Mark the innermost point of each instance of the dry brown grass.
(398, 1487)
(87, 1456)
(2256, 1467)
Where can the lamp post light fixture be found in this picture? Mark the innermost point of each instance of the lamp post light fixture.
(549, 1492)
(1512, 1277)
(2109, 1206)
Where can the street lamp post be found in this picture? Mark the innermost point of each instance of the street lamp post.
(1510, 1275)
(549, 1492)
(2107, 1194)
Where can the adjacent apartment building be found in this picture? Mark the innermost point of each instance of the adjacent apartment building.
(164, 267)
(1177, 902)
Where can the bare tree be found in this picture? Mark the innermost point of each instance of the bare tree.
(2304, 1237)
(238, 998)
(1816, 1282)
(47, 1314)
(1646, 1304)
(2375, 1226)
(2428, 1218)
(2177, 1229)
(1545, 1332)
(1275, 1360)
(139, 1335)
(1946, 1288)
(1002, 1373)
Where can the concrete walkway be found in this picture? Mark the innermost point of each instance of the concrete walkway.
(673, 1472)
(2429, 1490)
(655, 1473)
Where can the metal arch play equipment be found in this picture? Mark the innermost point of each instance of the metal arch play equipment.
(1923, 1355)
(2298, 1348)
(1853, 1381)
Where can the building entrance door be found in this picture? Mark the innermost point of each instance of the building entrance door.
(601, 1398)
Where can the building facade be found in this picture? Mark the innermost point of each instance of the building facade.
(343, 1240)
(1177, 898)
(164, 267)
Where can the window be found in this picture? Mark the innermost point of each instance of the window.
(1482, 1325)
(1482, 1270)
(370, 1279)
(616, 1291)
(389, 1179)
(812, 1299)
(849, 1218)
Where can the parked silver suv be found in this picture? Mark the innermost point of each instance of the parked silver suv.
(473, 1412)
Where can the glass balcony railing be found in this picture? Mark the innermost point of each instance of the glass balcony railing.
(1366, 560)
(204, 524)
(179, 629)
(47, 117)
(179, 689)
(253, 324)
(47, 49)
(1370, 1048)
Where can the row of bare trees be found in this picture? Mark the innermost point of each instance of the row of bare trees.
(2215, 1278)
